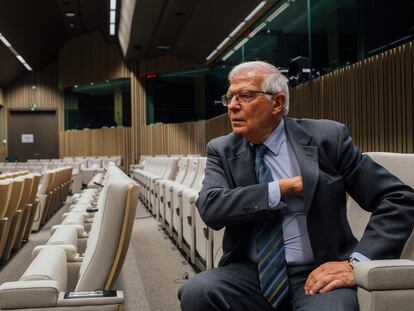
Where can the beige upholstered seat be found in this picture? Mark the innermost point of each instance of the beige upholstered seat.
(385, 284)
(98, 269)
(9, 215)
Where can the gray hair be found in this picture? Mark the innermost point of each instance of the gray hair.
(273, 82)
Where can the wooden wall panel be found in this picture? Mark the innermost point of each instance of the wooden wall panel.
(38, 88)
(3, 150)
(87, 59)
(374, 98)
(99, 142)
(217, 126)
(179, 138)
(138, 97)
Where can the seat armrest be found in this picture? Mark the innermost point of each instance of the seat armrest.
(29, 294)
(80, 229)
(397, 274)
(190, 195)
(87, 301)
(70, 250)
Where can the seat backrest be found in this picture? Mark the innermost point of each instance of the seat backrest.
(181, 170)
(15, 196)
(109, 236)
(400, 165)
(198, 182)
(191, 172)
(5, 188)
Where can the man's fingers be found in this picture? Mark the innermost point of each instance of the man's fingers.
(321, 283)
(337, 283)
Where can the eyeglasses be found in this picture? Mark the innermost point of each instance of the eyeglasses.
(242, 97)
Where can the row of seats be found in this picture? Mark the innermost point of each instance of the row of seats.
(78, 266)
(169, 189)
(17, 208)
(84, 168)
(52, 193)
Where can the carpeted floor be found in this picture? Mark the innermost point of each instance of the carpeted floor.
(152, 273)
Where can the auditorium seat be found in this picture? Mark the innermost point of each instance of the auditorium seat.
(177, 199)
(169, 191)
(189, 197)
(160, 184)
(385, 284)
(56, 269)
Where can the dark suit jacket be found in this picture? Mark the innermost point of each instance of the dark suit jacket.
(331, 166)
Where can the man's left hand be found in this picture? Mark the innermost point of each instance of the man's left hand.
(329, 276)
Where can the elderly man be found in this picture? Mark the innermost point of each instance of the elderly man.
(278, 185)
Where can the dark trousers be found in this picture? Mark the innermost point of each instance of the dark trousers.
(236, 287)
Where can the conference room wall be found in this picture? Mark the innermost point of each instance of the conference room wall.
(88, 58)
(81, 60)
(2, 126)
(138, 71)
(98, 142)
(374, 98)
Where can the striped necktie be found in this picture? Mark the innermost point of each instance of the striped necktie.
(271, 260)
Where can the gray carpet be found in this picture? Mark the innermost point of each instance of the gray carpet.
(152, 273)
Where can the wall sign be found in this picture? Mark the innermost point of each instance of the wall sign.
(27, 138)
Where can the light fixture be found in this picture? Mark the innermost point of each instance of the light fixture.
(283, 7)
(113, 5)
(254, 12)
(225, 57)
(237, 29)
(112, 29)
(240, 44)
(19, 57)
(4, 40)
(112, 17)
(70, 14)
(256, 30)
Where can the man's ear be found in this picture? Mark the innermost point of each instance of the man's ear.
(278, 102)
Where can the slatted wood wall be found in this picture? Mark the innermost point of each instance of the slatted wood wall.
(373, 97)
(138, 70)
(81, 60)
(3, 151)
(87, 59)
(99, 142)
(180, 138)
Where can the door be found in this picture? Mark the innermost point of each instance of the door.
(33, 134)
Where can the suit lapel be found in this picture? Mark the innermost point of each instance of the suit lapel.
(242, 164)
(307, 156)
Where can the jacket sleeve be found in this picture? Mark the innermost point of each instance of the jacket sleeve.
(390, 201)
(221, 204)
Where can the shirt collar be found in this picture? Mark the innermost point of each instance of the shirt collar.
(276, 139)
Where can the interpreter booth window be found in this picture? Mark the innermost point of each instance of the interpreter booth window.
(98, 105)
(386, 24)
(186, 95)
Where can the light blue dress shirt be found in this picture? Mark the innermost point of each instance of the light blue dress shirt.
(282, 163)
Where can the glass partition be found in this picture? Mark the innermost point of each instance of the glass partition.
(303, 38)
(98, 105)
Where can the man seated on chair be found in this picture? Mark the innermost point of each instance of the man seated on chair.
(278, 185)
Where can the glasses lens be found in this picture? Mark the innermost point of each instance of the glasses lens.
(224, 100)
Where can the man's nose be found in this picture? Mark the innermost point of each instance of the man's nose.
(233, 104)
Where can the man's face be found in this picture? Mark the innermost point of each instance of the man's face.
(254, 120)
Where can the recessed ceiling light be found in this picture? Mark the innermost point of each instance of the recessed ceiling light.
(70, 14)
(71, 25)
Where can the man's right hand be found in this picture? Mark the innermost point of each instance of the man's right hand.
(291, 186)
